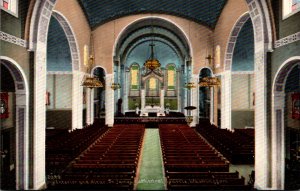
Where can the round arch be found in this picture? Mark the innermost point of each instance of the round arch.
(263, 41)
(233, 39)
(22, 121)
(65, 24)
(278, 125)
(228, 58)
(160, 21)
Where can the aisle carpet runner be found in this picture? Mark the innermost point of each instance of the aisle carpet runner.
(151, 176)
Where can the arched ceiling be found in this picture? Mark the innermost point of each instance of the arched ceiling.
(205, 12)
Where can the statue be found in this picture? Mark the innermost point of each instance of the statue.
(119, 107)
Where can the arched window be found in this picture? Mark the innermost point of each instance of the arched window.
(290, 7)
(152, 84)
(134, 77)
(10, 6)
(218, 56)
(171, 69)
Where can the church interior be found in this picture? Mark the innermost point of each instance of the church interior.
(150, 95)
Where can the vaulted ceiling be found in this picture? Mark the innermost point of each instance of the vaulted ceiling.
(204, 12)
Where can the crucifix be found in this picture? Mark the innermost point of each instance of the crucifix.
(209, 58)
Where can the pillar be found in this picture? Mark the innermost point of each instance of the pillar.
(216, 103)
(126, 89)
(262, 138)
(109, 101)
(92, 105)
(194, 100)
(22, 142)
(226, 100)
(39, 119)
(212, 103)
(278, 141)
(162, 99)
(77, 100)
(88, 106)
(143, 99)
(178, 88)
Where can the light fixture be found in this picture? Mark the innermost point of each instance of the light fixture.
(115, 86)
(88, 80)
(152, 63)
(190, 85)
(209, 82)
(189, 119)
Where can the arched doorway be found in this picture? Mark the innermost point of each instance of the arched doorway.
(99, 94)
(205, 97)
(286, 123)
(14, 126)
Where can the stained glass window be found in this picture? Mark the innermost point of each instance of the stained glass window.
(290, 7)
(152, 84)
(171, 77)
(134, 76)
(10, 6)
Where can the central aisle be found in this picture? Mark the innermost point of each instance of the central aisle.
(151, 175)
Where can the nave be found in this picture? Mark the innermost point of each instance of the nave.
(130, 156)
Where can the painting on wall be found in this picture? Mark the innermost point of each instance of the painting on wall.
(296, 105)
(4, 105)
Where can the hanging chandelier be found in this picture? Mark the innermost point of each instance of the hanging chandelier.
(190, 85)
(115, 86)
(209, 82)
(88, 80)
(152, 63)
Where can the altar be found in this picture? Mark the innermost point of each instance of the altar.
(159, 111)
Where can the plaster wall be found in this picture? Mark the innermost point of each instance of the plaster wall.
(230, 14)
(60, 89)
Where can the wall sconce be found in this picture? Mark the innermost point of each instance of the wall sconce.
(115, 86)
(190, 85)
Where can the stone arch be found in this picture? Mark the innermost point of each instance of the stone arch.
(22, 121)
(143, 21)
(226, 86)
(75, 57)
(71, 39)
(278, 125)
(39, 26)
(233, 39)
(263, 41)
